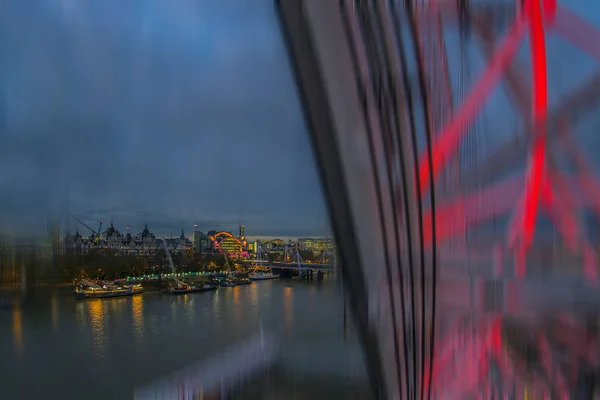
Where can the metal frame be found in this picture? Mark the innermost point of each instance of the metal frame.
(332, 111)
(351, 67)
(544, 181)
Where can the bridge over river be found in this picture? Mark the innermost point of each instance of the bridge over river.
(293, 266)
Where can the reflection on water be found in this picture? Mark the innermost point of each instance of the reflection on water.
(17, 329)
(190, 309)
(236, 295)
(137, 315)
(216, 305)
(174, 309)
(108, 346)
(237, 312)
(80, 315)
(54, 311)
(95, 311)
(288, 308)
(312, 294)
(254, 298)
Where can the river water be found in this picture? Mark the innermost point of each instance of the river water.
(57, 347)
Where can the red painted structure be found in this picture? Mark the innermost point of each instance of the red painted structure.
(473, 346)
(541, 181)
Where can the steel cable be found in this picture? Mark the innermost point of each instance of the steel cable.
(428, 138)
(365, 103)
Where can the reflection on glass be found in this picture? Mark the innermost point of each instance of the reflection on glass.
(96, 313)
(288, 308)
(17, 329)
(137, 314)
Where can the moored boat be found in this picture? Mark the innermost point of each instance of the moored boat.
(242, 282)
(235, 281)
(262, 272)
(184, 288)
(87, 290)
(262, 276)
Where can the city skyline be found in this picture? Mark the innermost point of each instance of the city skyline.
(187, 230)
(170, 114)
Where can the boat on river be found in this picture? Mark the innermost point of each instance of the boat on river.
(184, 288)
(235, 280)
(88, 290)
(262, 276)
(181, 287)
(233, 283)
(262, 272)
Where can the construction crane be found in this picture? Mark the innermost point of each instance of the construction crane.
(171, 264)
(96, 234)
(227, 262)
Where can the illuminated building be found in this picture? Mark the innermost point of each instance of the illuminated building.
(203, 242)
(196, 241)
(316, 245)
(226, 242)
(230, 244)
(142, 244)
(252, 246)
(275, 244)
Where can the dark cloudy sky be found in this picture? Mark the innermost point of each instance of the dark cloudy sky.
(175, 112)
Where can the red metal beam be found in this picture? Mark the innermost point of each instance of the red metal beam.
(449, 12)
(573, 102)
(581, 100)
(448, 139)
(578, 31)
(500, 199)
(540, 112)
(454, 216)
(513, 75)
(521, 96)
(512, 234)
(560, 208)
(489, 202)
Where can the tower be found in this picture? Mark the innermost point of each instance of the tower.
(196, 240)
(241, 231)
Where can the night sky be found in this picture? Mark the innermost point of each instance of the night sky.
(175, 112)
(171, 112)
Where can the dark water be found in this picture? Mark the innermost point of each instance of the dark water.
(57, 347)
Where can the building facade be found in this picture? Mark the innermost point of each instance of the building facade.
(316, 245)
(144, 244)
